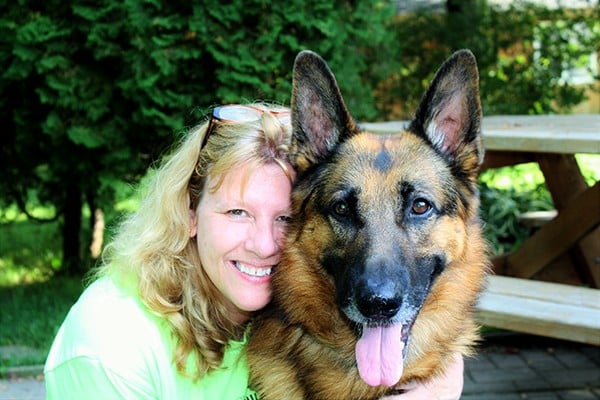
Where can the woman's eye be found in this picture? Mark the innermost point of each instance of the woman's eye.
(237, 212)
(420, 206)
(285, 218)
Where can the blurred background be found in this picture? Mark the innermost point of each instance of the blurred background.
(93, 93)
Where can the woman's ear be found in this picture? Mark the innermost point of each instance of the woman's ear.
(193, 223)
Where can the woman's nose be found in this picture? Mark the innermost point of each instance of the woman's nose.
(264, 240)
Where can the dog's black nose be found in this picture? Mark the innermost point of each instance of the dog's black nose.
(376, 307)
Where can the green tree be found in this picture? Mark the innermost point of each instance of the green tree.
(92, 92)
(522, 52)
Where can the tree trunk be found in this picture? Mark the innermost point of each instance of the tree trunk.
(458, 6)
(71, 231)
(96, 226)
(97, 233)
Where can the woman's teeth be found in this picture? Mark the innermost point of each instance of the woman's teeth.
(258, 272)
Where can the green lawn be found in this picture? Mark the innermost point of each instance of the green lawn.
(33, 300)
(30, 317)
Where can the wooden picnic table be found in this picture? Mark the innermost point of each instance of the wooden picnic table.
(565, 249)
(570, 242)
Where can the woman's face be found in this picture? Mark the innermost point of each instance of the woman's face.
(239, 235)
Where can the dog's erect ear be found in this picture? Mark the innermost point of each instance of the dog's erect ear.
(450, 112)
(320, 119)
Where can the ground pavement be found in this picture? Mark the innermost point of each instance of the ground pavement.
(507, 367)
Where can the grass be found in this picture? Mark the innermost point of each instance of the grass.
(30, 317)
(34, 301)
(29, 251)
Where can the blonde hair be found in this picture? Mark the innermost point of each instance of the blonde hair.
(153, 252)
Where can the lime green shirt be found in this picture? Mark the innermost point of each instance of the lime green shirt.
(111, 347)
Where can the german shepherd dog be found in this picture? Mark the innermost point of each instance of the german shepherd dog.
(384, 257)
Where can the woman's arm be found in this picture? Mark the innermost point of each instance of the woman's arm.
(444, 387)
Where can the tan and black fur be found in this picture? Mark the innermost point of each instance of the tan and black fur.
(385, 230)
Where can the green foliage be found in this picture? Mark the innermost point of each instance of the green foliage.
(506, 193)
(522, 52)
(590, 167)
(93, 94)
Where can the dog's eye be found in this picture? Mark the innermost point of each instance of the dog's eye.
(420, 206)
(341, 208)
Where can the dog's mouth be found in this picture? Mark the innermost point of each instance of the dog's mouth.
(380, 353)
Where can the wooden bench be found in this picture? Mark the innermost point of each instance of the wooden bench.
(541, 308)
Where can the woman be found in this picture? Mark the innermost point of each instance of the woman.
(166, 315)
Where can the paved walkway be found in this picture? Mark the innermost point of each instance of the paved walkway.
(515, 367)
(31, 388)
(511, 367)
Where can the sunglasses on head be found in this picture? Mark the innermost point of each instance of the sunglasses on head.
(241, 113)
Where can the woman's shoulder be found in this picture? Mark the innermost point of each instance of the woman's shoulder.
(109, 338)
(105, 302)
(110, 324)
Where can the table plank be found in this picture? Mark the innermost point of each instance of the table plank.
(541, 308)
(566, 134)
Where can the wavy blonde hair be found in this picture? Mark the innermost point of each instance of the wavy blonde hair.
(153, 252)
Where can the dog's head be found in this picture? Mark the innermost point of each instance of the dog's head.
(390, 212)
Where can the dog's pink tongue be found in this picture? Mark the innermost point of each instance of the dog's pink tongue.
(379, 355)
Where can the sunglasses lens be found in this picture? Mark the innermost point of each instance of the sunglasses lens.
(285, 118)
(236, 113)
